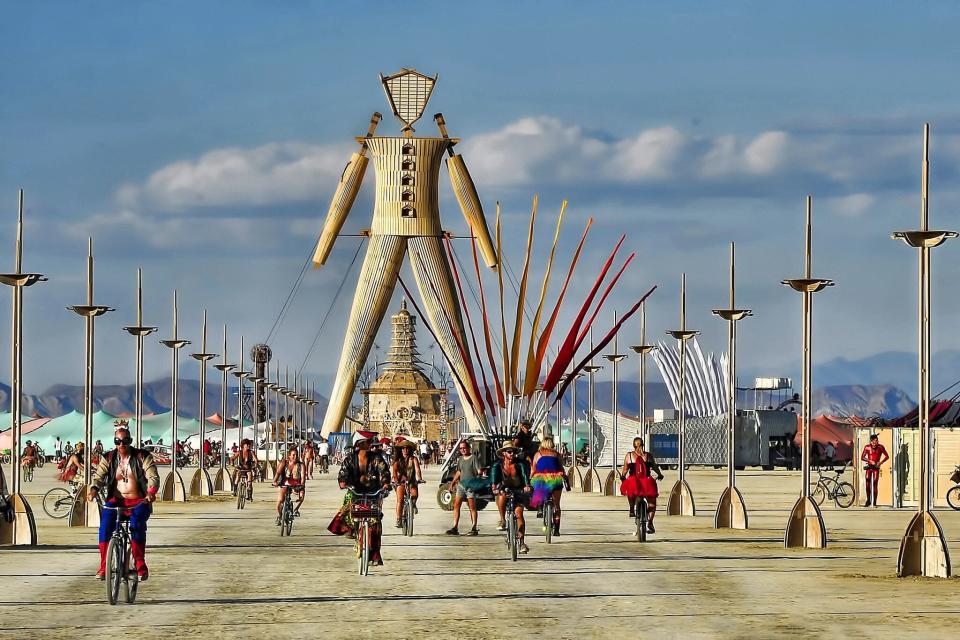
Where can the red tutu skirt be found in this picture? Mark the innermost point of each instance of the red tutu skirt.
(639, 486)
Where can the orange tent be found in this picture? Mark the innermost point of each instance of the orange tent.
(824, 429)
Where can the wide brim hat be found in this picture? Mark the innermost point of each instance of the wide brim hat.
(508, 447)
(384, 441)
(360, 436)
(404, 444)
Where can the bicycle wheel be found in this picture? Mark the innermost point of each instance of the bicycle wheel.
(641, 519)
(512, 537)
(57, 502)
(408, 517)
(284, 513)
(131, 580)
(115, 570)
(40, 462)
(844, 495)
(953, 498)
(363, 553)
(289, 521)
(241, 494)
(548, 521)
(818, 492)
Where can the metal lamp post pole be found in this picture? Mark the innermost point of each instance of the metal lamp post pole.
(23, 529)
(81, 513)
(923, 548)
(613, 478)
(140, 332)
(731, 511)
(240, 375)
(592, 482)
(201, 484)
(224, 480)
(642, 350)
(681, 497)
(805, 527)
(173, 489)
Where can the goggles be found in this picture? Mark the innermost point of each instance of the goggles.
(120, 441)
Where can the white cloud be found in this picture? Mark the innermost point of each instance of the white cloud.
(853, 205)
(274, 173)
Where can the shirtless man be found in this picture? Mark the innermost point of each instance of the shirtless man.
(291, 476)
(131, 480)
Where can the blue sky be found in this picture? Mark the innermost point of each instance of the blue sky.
(202, 141)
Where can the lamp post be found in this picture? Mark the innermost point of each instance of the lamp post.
(923, 548)
(643, 349)
(591, 483)
(139, 331)
(576, 478)
(268, 472)
(240, 375)
(201, 484)
(681, 502)
(612, 482)
(275, 424)
(224, 481)
(172, 489)
(23, 528)
(731, 511)
(81, 513)
(805, 527)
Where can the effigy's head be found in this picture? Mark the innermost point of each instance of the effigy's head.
(261, 353)
(408, 92)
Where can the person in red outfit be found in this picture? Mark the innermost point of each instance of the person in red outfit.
(873, 455)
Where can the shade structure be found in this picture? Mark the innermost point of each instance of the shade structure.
(824, 429)
(70, 428)
(27, 428)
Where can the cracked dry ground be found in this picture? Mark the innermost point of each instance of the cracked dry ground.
(217, 572)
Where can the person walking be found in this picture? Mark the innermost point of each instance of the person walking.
(466, 480)
(57, 449)
(873, 456)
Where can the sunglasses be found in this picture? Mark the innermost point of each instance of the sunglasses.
(120, 441)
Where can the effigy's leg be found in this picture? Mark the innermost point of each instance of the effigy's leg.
(378, 277)
(431, 269)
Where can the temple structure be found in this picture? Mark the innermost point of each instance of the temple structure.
(403, 400)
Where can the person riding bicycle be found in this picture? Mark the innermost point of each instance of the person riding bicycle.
(131, 480)
(638, 484)
(523, 439)
(362, 471)
(74, 463)
(245, 462)
(874, 455)
(548, 479)
(323, 451)
(511, 473)
(28, 457)
(406, 474)
(291, 476)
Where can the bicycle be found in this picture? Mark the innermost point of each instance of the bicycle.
(953, 495)
(406, 514)
(366, 511)
(287, 513)
(28, 472)
(513, 538)
(244, 489)
(641, 512)
(548, 510)
(41, 458)
(842, 493)
(120, 565)
(58, 501)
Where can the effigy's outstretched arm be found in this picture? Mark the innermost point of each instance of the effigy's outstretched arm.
(467, 198)
(344, 196)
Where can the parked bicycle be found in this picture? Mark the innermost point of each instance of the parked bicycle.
(366, 511)
(953, 495)
(121, 569)
(832, 488)
(58, 501)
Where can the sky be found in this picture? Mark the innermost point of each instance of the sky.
(203, 141)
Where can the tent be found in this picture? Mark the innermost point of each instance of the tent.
(824, 429)
(27, 429)
(70, 428)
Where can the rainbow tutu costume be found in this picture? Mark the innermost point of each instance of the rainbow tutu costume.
(546, 478)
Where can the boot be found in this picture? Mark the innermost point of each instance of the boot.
(138, 551)
(102, 571)
(556, 528)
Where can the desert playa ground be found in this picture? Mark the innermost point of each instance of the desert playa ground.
(218, 572)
